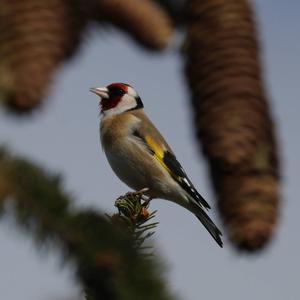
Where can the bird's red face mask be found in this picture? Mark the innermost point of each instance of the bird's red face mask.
(110, 95)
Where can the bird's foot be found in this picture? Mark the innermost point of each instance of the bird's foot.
(138, 193)
(141, 191)
(146, 199)
(141, 194)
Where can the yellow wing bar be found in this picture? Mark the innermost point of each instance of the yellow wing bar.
(158, 153)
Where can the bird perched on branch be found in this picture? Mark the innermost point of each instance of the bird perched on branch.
(140, 156)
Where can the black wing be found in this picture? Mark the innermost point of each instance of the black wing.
(180, 176)
(172, 165)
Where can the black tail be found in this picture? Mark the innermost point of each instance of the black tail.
(209, 225)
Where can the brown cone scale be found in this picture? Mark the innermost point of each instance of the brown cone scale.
(232, 117)
(145, 20)
(35, 37)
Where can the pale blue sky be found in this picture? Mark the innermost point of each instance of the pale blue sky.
(64, 138)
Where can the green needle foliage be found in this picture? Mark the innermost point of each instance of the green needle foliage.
(106, 257)
(134, 215)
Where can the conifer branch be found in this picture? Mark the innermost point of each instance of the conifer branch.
(106, 258)
(133, 214)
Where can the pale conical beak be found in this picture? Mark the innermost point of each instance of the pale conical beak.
(101, 91)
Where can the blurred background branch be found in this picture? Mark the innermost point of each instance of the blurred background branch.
(108, 264)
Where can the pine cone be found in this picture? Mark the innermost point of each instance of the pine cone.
(144, 20)
(35, 36)
(232, 117)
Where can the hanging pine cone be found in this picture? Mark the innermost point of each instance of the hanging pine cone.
(144, 20)
(35, 36)
(232, 117)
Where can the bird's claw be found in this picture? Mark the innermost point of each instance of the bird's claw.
(145, 198)
(140, 193)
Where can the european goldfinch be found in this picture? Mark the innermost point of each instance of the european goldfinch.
(141, 157)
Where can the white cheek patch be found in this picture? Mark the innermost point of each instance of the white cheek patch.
(128, 102)
(132, 92)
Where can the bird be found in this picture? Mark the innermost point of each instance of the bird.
(140, 156)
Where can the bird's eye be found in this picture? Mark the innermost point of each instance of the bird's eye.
(116, 91)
